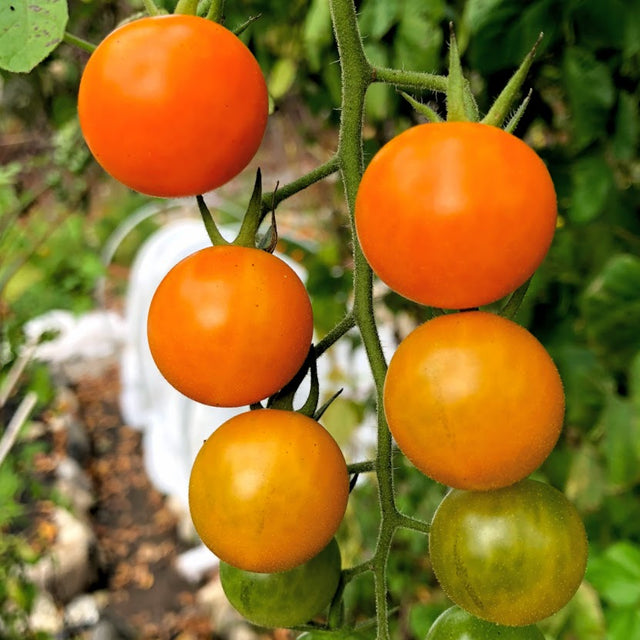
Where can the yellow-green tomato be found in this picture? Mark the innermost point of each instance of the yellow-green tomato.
(288, 598)
(512, 556)
(457, 624)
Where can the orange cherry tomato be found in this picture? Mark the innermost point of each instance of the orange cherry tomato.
(473, 400)
(268, 490)
(456, 214)
(172, 105)
(229, 326)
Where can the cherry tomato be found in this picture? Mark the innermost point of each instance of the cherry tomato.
(268, 490)
(455, 214)
(229, 326)
(473, 400)
(457, 624)
(172, 105)
(288, 598)
(512, 556)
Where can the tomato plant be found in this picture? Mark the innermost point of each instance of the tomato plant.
(229, 326)
(172, 105)
(473, 400)
(512, 556)
(457, 624)
(455, 214)
(268, 490)
(287, 598)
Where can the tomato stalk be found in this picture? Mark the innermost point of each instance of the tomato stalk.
(151, 7)
(216, 10)
(187, 7)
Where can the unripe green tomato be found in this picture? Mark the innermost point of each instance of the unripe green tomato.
(340, 634)
(513, 556)
(288, 598)
(457, 624)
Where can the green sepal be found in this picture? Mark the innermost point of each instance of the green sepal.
(502, 105)
(422, 108)
(247, 236)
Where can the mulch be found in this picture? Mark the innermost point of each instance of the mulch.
(136, 532)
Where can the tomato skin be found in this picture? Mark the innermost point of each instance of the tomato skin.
(455, 214)
(473, 400)
(457, 624)
(257, 474)
(229, 326)
(513, 556)
(288, 598)
(172, 105)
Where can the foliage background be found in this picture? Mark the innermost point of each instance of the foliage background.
(57, 209)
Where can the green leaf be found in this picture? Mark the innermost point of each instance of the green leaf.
(503, 31)
(29, 31)
(585, 484)
(376, 17)
(616, 575)
(317, 34)
(601, 24)
(282, 77)
(418, 39)
(621, 443)
(591, 185)
(625, 139)
(586, 383)
(624, 624)
(591, 94)
(611, 309)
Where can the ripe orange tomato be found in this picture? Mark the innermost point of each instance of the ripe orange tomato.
(455, 214)
(268, 490)
(473, 400)
(172, 105)
(229, 326)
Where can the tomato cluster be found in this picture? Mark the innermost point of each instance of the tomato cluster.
(456, 215)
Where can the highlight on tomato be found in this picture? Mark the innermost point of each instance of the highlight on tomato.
(172, 105)
(474, 400)
(268, 490)
(229, 326)
(287, 598)
(457, 624)
(513, 556)
(455, 214)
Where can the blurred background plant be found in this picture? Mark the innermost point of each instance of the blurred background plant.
(57, 210)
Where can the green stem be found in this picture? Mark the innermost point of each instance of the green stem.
(216, 10)
(410, 79)
(347, 323)
(187, 7)
(74, 41)
(151, 7)
(271, 199)
(362, 467)
(356, 76)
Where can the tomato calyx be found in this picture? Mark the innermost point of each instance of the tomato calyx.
(249, 235)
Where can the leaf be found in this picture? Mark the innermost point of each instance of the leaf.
(317, 32)
(282, 77)
(610, 306)
(591, 185)
(625, 139)
(621, 443)
(591, 93)
(616, 574)
(586, 383)
(585, 484)
(377, 17)
(503, 31)
(29, 31)
(624, 624)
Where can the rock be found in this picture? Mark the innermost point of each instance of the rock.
(83, 611)
(45, 615)
(70, 566)
(73, 484)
